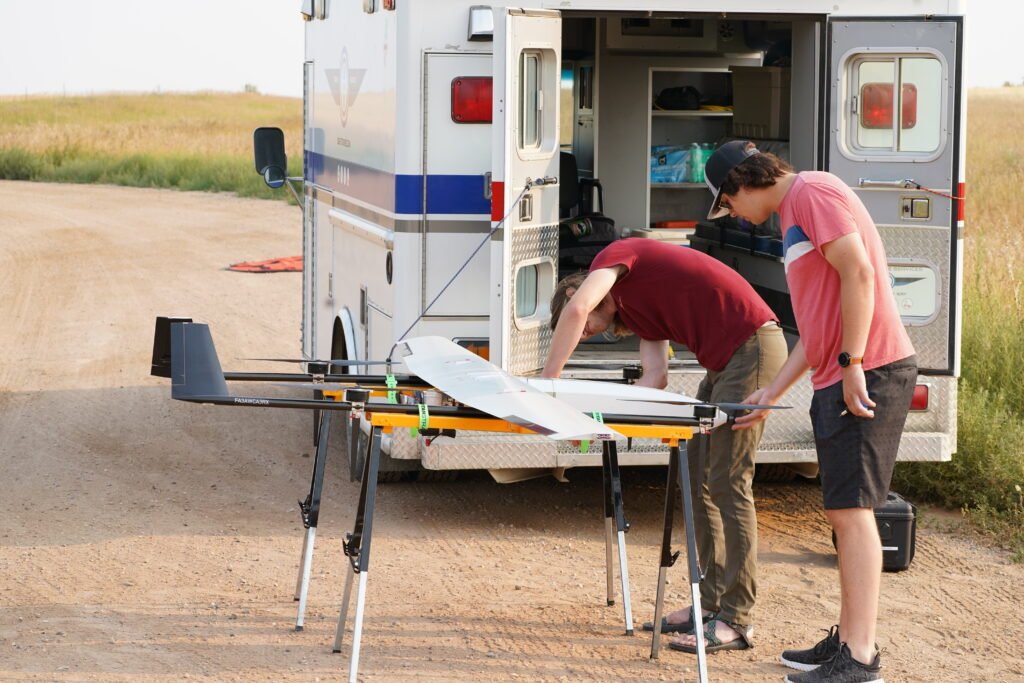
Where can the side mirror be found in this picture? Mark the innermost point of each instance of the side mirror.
(271, 160)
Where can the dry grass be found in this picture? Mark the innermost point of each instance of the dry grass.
(216, 124)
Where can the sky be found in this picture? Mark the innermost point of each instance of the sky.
(91, 46)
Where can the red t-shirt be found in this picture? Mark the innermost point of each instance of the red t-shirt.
(685, 296)
(819, 208)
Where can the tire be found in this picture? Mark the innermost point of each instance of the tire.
(774, 473)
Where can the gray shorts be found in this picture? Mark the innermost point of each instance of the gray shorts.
(856, 455)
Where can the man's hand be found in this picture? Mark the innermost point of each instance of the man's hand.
(762, 397)
(855, 393)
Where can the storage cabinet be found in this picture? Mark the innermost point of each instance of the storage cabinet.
(674, 191)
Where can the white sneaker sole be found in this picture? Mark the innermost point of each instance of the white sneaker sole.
(876, 680)
(797, 665)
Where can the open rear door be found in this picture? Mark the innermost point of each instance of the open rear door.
(894, 121)
(524, 251)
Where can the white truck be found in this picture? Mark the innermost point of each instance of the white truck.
(452, 149)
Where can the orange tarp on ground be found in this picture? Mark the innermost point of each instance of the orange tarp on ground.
(285, 264)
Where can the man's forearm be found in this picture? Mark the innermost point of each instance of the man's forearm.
(564, 340)
(792, 370)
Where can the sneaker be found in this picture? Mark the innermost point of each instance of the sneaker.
(843, 668)
(812, 658)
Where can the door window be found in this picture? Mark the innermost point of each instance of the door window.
(896, 105)
(538, 98)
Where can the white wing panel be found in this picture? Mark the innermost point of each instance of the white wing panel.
(471, 380)
(590, 396)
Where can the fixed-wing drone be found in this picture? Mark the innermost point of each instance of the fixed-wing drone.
(477, 391)
(557, 408)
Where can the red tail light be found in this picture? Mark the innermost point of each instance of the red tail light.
(920, 400)
(471, 99)
(877, 106)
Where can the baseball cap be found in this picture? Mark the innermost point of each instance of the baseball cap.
(726, 157)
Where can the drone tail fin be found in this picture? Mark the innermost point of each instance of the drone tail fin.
(195, 368)
(162, 345)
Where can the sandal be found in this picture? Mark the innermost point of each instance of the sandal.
(712, 642)
(680, 627)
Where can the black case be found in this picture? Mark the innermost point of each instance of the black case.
(897, 527)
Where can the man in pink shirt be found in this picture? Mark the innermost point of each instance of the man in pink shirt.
(864, 375)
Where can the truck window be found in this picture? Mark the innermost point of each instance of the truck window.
(534, 285)
(526, 291)
(539, 90)
(529, 116)
(896, 105)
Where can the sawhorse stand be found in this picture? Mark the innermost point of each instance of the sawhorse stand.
(310, 510)
(357, 543)
(679, 481)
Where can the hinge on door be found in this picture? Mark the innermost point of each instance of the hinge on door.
(487, 185)
(853, 104)
(330, 286)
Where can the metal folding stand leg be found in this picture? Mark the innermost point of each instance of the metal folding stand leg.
(357, 549)
(679, 480)
(310, 509)
(615, 524)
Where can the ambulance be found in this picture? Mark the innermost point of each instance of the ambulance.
(460, 158)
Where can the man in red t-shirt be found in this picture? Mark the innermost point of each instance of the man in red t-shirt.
(662, 293)
(864, 375)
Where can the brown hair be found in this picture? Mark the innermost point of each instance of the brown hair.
(561, 297)
(760, 170)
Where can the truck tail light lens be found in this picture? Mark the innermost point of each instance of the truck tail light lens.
(481, 347)
(471, 99)
(920, 400)
(877, 106)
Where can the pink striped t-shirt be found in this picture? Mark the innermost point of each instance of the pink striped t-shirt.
(817, 209)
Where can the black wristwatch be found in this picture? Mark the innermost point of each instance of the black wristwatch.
(846, 360)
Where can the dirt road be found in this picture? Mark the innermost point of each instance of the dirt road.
(145, 539)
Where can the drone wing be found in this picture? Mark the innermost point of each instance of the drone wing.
(477, 383)
(621, 399)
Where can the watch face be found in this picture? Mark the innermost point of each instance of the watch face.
(844, 359)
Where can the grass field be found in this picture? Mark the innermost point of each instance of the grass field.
(196, 141)
(203, 142)
(987, 474)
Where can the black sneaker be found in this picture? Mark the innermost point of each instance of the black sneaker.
(812, 658)
(843, 668)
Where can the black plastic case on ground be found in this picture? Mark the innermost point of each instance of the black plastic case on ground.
(897, 527)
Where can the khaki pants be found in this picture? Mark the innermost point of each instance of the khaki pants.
(721, 474)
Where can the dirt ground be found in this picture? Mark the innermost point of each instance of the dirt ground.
(147, 539)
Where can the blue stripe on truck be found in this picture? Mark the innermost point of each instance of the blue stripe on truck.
(398, 193)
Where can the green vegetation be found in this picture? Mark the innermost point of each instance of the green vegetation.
(184, 141)
(202, 142)
(986, 475)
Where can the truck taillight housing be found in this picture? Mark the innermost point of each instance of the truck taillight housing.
(471, 99)
(920, 400)
(877, 106)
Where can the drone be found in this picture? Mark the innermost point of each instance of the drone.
(477, 395)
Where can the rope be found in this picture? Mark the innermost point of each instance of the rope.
(918, 186)
(461, 268)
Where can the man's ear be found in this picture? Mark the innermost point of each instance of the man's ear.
(569, 291)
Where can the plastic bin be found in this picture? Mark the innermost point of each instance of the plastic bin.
(897, 527)
(760, 98)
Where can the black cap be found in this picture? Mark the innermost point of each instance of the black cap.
(727, 157)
